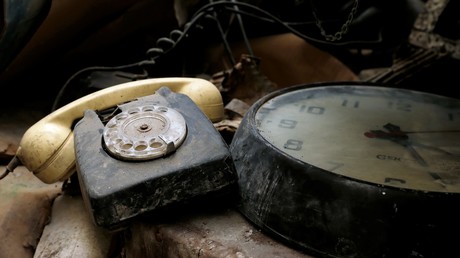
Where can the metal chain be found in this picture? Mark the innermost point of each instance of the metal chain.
(343, 30)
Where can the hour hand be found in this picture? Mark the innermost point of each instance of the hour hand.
(386, 135)
(393, 128)
(395, 134)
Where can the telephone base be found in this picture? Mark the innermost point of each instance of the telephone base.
(116, 191)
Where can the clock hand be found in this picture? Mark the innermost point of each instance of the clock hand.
(418, 132)
(408, 145)
(385, 135)
(396, 130)
(436, 149)
(396, 135)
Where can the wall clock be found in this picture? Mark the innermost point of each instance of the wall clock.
(352, 170)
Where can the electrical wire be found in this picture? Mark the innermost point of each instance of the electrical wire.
(11, 166)
(158, 51)
(266, 16)
(61, 92)
(243, 31)
(5, 173)
(227, 47)
(211, 10)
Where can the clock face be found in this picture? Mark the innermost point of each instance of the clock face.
(386, 136)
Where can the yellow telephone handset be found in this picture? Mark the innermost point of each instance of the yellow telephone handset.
(47, 148)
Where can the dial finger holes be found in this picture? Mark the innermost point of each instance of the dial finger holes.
(141, 146)
(156, 144)
(144, 132)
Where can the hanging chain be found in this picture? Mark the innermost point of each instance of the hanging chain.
(343, 30)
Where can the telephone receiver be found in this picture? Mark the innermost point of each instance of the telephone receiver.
(47, 148)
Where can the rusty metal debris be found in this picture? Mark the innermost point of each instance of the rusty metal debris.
(244, 81)
(241, 87)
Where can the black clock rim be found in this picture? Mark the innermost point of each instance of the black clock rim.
(378, 221)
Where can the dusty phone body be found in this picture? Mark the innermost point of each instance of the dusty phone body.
(155, 152)
(47, 148)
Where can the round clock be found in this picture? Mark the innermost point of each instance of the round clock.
(352, 170)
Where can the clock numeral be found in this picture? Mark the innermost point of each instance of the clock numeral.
(293, 145)
(345, 103)
(445, 178)
(392, 180)
(312, 110)
(336, 165)
(265, 110)
(387, 157)
(435, 175)
(286, 123)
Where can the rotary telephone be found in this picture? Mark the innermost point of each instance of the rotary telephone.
(47, 148)
(137, 147)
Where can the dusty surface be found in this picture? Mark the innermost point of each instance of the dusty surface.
(220, 232)
(70, 232)
(25, 209)
(39, 220)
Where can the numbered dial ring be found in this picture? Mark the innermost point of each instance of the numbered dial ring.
(144, 133)
(384, 136)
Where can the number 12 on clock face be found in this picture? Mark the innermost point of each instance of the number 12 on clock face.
(386, 136)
